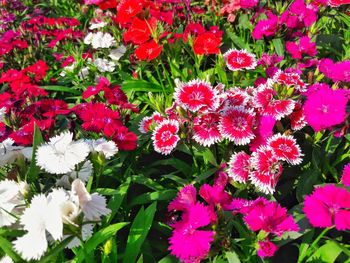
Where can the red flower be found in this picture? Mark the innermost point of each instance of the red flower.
(148, 51)
(128, 9)
(236, 124)
(196, 95)
(338, 2)
(206, 44)
(239, 60)
(140, 30)
(125, 140)
(165, 136)
(285, 148)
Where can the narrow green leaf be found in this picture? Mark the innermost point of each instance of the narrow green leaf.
(232, 257)
(98, 238)
(278, 45)
(6, 246)
(327, 253)
(53, 252)
(140, 85)
(154, 196)
(33, 170)
(62, 89)
(138, 233)
(117, 199)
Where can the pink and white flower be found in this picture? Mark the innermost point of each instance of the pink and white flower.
(239, 60)
(285, 148)
(165, 136)
(206, 130)
(236, 124)
(196, 95)
(239, 167)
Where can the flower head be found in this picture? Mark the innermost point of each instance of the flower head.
(266, 249)
(239, 60)
(205, 129)
(165, 136)
(239, 167)
(61, 154)
(236, 124)
(196, 95)
(327, 206)
(285, 148)
(345, 178)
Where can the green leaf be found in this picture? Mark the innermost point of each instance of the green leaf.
(117, 199)
(141, 179)
(168, 259)
(306, 184)
(232, 257)
(140, 85)
(33, 170)
(98, 238)
(6, 246)
(327, 253)
(154, 196)
(62, 89)
(278, 45)
(138, 232)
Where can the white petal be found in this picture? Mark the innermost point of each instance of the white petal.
(32, 245)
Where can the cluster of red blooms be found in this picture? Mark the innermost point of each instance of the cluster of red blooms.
(98, 116)
(24, 106)
(21, 103)
(54, 29)
(193, 234)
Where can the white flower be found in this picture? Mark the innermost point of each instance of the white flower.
(103, 65)
(2, 114)
(117, 53)
(99, 24)
(83, 174)
(61, 154)
(10, 198)
(88, 38)
(86, 232)
(68, 69)
(83, 73)
(108, 148)
(99, 40)
(8, 152)
(93, 205)
(6, 259)
(42, 215)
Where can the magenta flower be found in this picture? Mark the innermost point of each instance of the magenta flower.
(271, 218)
(266, 27)
(325, 108)
(305, 46)
(187, 242)
(266, 248)
(339, 71)
(345, 178)
(184, 199)
(327, 206)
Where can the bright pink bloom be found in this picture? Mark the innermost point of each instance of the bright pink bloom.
(185, 198)
(196, 95)
(239, 60)
(266, 249)
(206, 130)
(266, 27)
(345, 178)
(239, 167)
(267, 170)
(271, 218)
(285, 148)
(249, 3)
(266, 123)
(305, 46)
(299, 15)
(236, 124)
(325, 108)
(327, 206)
(339, 71)
(214, 195)
(165, 136)
(187, 242)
